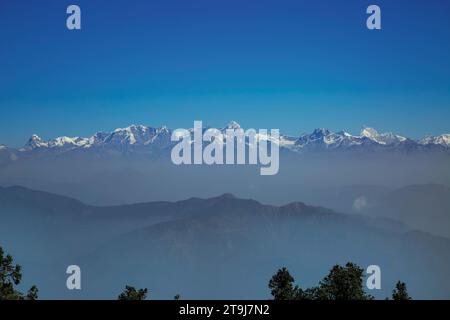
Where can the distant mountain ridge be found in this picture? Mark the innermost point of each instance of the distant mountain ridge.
(140, 138)
(217, 248)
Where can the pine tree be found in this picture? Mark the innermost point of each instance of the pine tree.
(282, 286)
(342, 283)
(10, 277)
(32, 293)
(131, 293)
(400, 292)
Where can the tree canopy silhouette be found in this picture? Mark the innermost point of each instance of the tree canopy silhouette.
(10, 277)
(400, 292)
(282, 286)
(341, 283)
(131, 293)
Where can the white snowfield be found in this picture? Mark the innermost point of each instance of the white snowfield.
(140, 135)
(443, 139)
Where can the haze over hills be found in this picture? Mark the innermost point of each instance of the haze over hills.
(422, 207)
(133, 165)
(221, 247)
(361, 174)
(136, 161)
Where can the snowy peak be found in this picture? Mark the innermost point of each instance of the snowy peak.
(368, 138)
(324, 138)
(443, 140)
(132, 135)
(129, 135)
(35, 139)
(97, 139)
(35, 142)
(320, 133)
(369, 133)
(163, 130)
(383, 138)
(135, 137)
(61, 142)
(233, 125)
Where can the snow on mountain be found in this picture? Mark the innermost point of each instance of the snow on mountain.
(233, 125)
(134, 134)
(384, 138)
(35, 142)
(62, 142)
(97, 139)
(139, 136)
(443, 140)
(161, 137)
(129, 136)
(325, 139)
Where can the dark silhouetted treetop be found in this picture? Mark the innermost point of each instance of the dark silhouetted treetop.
(400, 292)
(342, 283)
(282, 286)
(10, 277)
(131, 293)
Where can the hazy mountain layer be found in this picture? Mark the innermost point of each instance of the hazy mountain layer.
(222, 247)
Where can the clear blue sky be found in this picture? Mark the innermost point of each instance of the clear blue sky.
(294, 65)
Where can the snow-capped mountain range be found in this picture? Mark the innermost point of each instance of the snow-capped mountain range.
(132, 135)
(139, 136)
